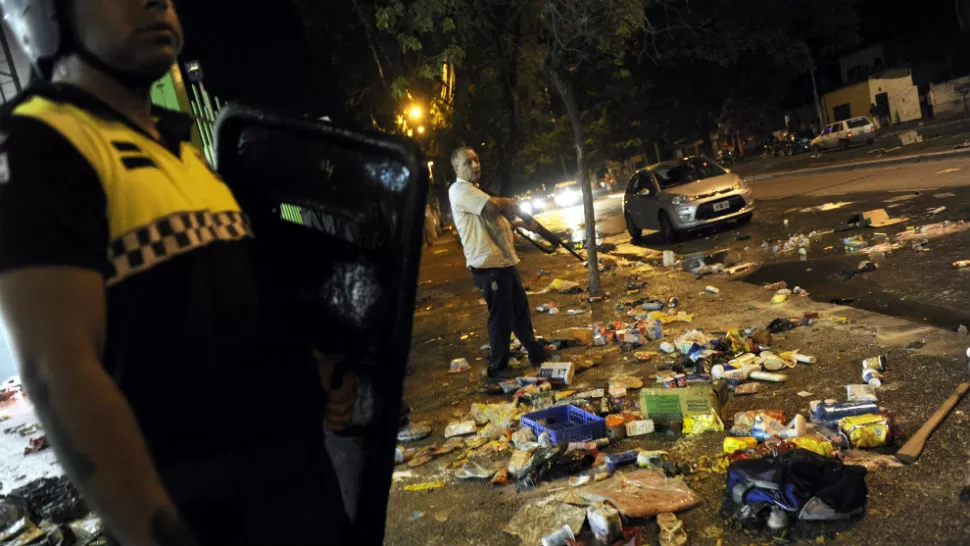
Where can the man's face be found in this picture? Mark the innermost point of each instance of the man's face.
(137, 36)
(468, 167)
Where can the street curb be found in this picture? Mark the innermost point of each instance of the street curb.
(916, 158)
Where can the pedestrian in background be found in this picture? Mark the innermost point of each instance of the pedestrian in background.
(485, 228)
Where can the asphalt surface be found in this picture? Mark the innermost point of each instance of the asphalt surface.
(936, 296)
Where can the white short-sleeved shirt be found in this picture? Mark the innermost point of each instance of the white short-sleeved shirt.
(488, 242)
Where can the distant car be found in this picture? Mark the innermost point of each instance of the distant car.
(567, 194)
(683, 195)
(532, 202)
(842, 134)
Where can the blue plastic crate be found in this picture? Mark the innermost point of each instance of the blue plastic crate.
(566, 424)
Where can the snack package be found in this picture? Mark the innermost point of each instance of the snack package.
(703, 422)
(744, 420)
(732, 444)
(869, 430)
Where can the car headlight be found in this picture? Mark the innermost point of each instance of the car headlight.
(539, 204)
(526, 207)
(680, 200)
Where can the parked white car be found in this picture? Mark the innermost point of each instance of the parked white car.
(683, 195)
(842, 134)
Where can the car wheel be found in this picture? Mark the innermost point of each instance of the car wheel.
(636, 234)
(817, 149)
(844, 144)
(745, 220)
(668, 233)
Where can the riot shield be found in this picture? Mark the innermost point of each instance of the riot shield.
(338, 218)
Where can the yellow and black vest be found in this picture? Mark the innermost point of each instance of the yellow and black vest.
(191, 342)
(160, 202)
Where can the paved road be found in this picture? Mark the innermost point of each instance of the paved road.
(932, 293)
(912, 177)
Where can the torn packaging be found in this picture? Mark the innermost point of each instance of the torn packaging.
(643, 493)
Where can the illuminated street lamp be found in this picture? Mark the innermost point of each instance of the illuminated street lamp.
(415, 113)
(421, 130)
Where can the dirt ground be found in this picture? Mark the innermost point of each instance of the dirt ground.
(907, 505)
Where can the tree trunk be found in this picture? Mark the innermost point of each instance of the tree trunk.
(507, 37)
(564, 87)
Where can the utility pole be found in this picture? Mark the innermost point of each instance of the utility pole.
(818, 104)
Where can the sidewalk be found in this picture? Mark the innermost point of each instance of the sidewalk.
(450, 323)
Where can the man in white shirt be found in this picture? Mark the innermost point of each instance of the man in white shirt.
(486, 235)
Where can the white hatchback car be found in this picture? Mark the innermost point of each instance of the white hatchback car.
(683, 195)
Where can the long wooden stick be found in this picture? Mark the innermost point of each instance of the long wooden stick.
(912, 448)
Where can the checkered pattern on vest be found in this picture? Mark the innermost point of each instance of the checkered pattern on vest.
(171, 236)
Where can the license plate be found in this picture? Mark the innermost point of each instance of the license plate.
(723, 205)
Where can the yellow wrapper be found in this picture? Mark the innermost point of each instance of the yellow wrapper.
(870, 430)
(732, 444)
(824, 449)
(703, 422)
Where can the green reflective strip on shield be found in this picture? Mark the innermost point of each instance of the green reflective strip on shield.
(291, 213)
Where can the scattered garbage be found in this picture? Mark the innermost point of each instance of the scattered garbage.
(536, 520)
(803, 485)
(36, 444)
(426, 486)
(672, 532)
(712, 290)
(643, 493)
(869, 460)
(558, 373)
(604, 521)
(561, 537)
(564, 287)
(459, 365)
(460, 428)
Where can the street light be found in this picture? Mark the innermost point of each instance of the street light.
(415, 112)
(421, 130)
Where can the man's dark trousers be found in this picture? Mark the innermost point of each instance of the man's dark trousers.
(508, 311)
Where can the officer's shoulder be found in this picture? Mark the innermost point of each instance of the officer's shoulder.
(17, 132)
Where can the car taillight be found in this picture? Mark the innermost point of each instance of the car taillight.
(872, 128)
(850, 134)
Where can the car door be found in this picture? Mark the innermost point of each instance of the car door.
(638, 198)
(837, 134)
(648, 204)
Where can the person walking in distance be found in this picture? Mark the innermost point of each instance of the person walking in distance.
(485, 230)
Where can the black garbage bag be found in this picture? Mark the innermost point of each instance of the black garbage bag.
(53, 499)
(801, 482)
(780, 325)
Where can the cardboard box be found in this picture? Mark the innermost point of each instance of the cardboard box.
(668, 405)
(558, 373)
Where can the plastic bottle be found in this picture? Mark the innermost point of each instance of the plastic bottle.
(960, 264)
(830, 411)
(767, 376)
(560, 537)
(872, 377)
(712, 290)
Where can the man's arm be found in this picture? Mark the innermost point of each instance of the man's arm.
(500, 205)
(56, 318)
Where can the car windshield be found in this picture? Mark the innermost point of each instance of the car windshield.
(685, 172)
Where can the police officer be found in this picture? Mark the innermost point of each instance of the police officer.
(127, 285)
